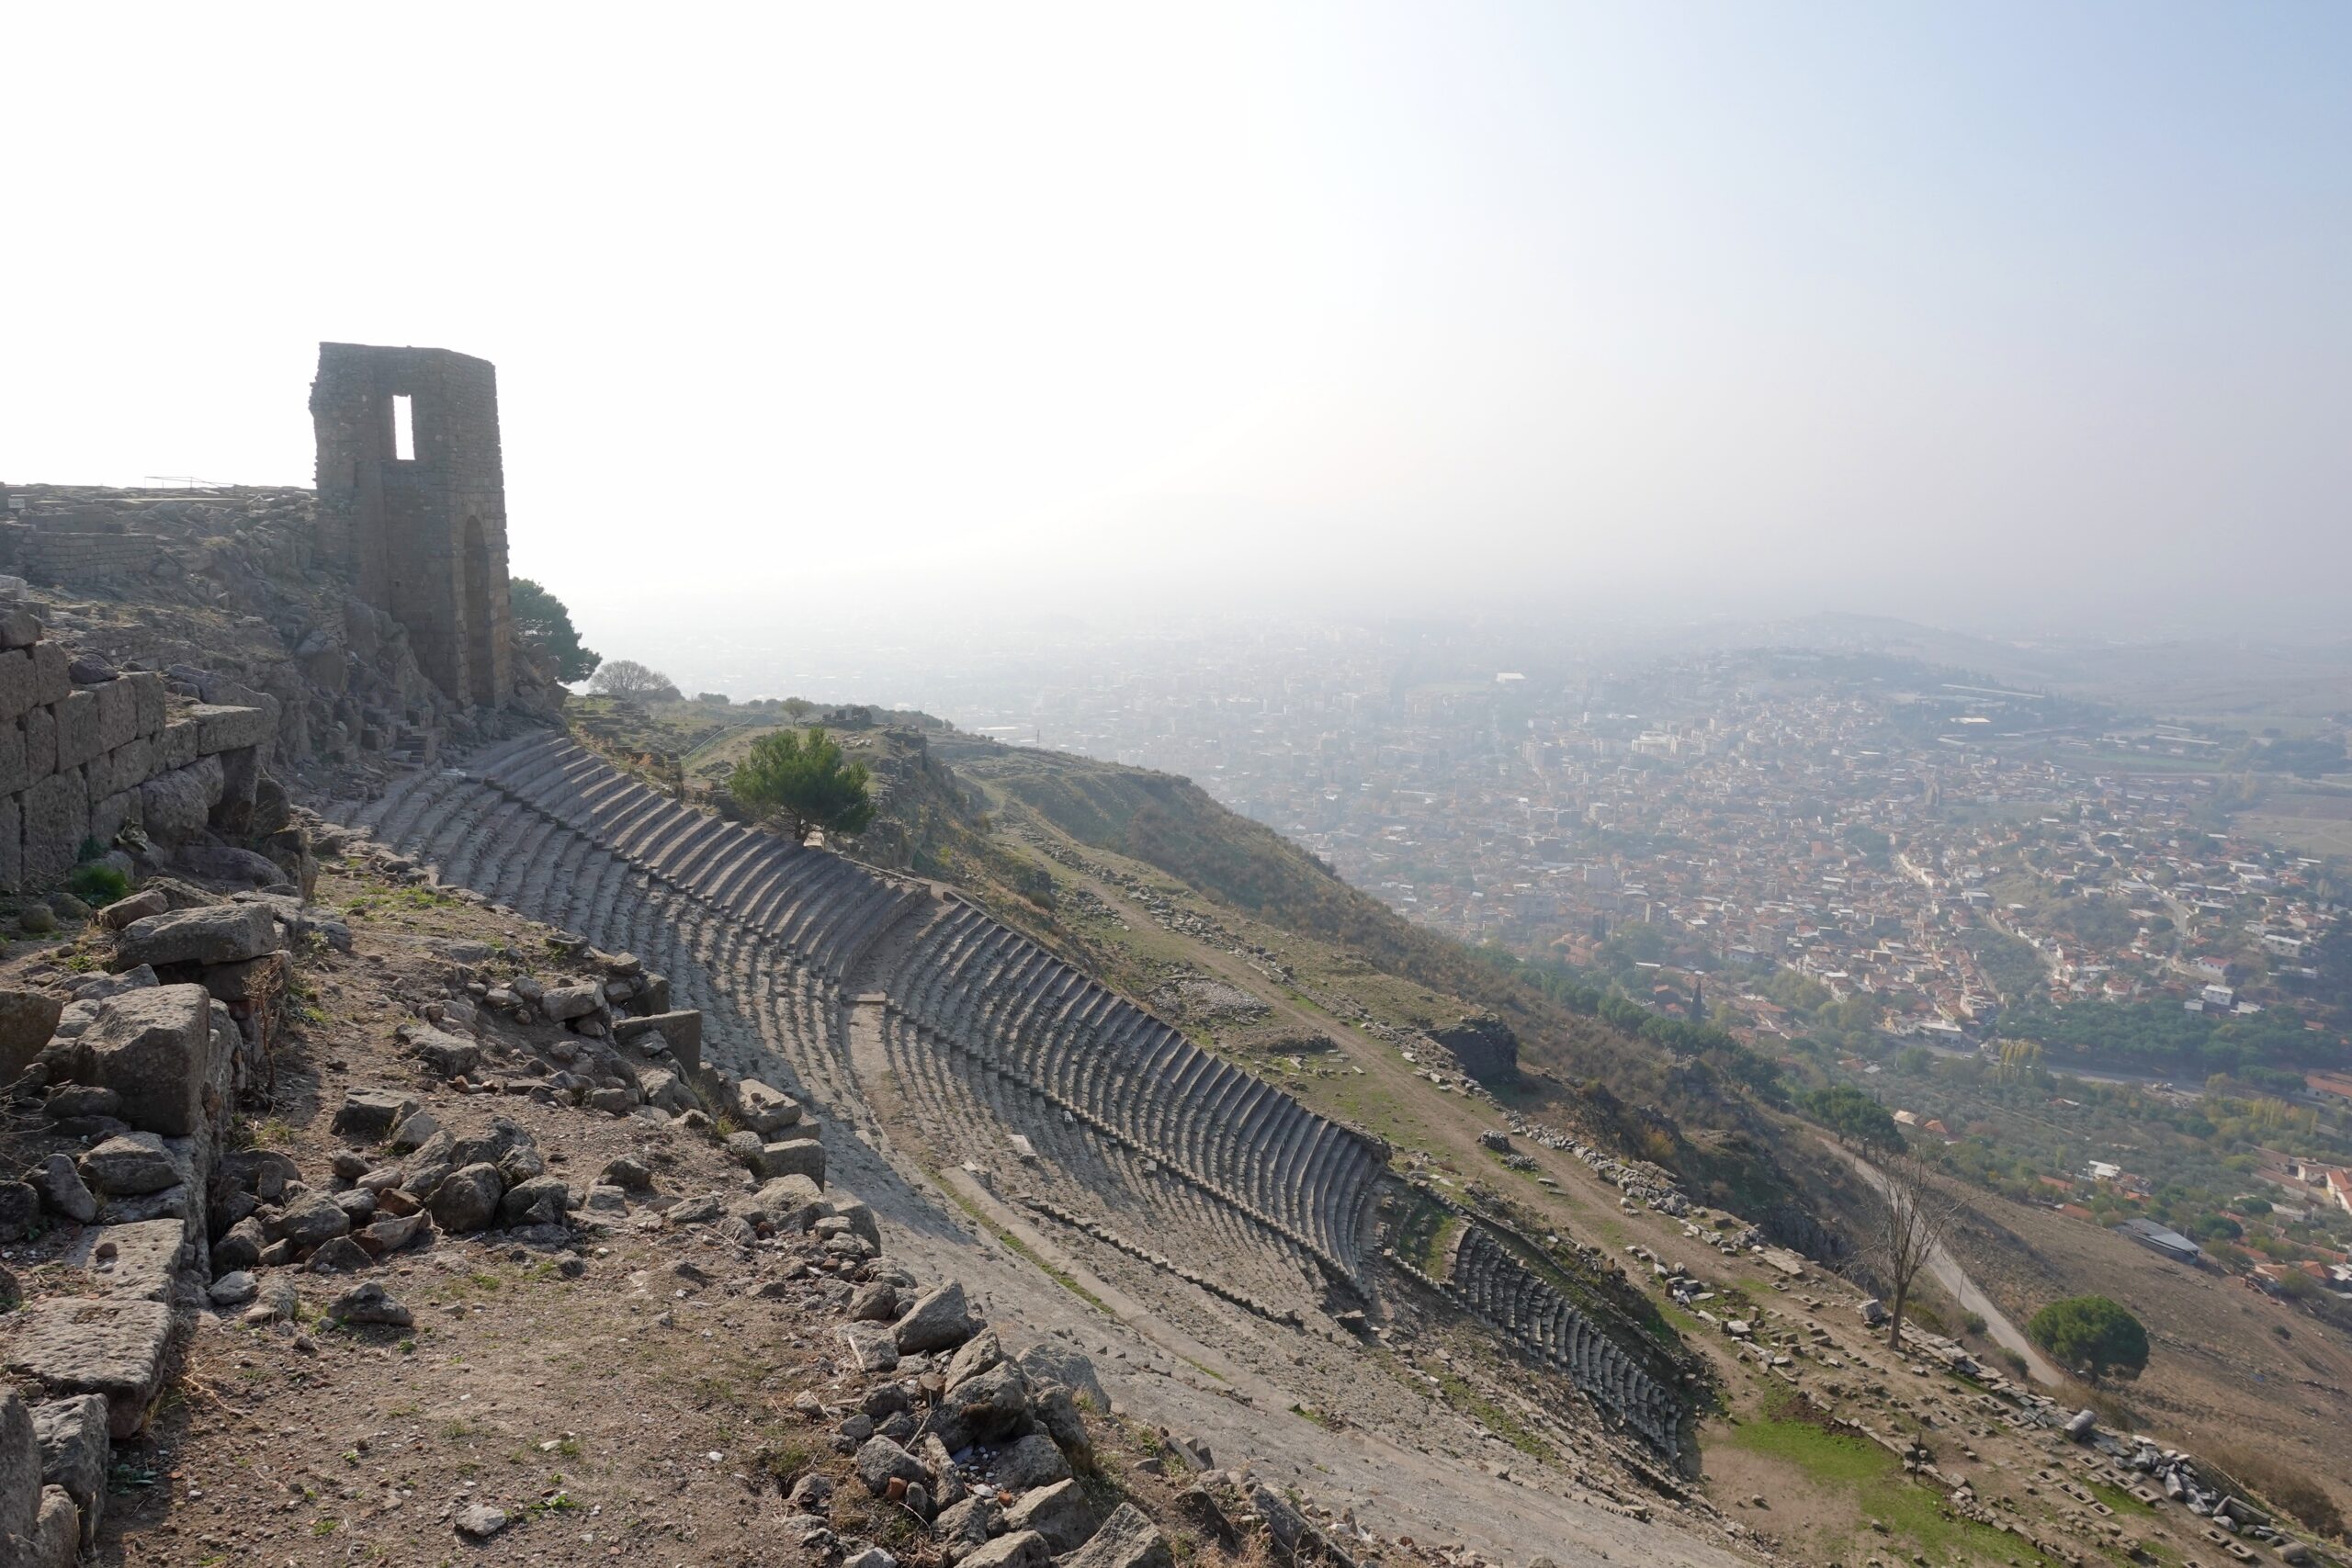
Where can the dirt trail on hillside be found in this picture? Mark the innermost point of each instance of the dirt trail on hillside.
(1954, 1279)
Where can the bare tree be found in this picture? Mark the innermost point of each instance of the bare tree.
(627, 678)
(1919, 1209)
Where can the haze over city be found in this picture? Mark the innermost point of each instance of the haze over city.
(2013, 317)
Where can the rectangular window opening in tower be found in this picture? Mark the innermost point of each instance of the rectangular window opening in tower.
(404, 429)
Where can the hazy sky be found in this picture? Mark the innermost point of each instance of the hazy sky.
(1974, 312)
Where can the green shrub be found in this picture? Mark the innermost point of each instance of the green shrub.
(2092, 1332)
(98, 884)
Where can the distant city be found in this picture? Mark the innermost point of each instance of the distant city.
(1898, 833)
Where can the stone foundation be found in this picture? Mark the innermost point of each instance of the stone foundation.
(82, 762)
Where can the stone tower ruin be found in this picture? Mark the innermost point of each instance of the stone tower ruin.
(412, 504)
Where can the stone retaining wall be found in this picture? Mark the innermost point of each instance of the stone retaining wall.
(81, 762)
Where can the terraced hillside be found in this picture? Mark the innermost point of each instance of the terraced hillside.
(1489, 1277)
(872, 992)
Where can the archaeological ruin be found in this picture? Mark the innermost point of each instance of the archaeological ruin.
(412, 503)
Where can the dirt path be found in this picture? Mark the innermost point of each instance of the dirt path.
(1954, 1279)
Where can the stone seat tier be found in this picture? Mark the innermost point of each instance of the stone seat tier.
(762, 934)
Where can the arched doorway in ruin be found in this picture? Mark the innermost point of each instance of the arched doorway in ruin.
(481, 631)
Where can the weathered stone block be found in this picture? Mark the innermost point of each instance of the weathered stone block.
(175, 744)
(118, 713)
(112, 814)
(51, 674)
(241, 776)
(805, 1156)
(219, 729)
(1061, 1513)
(40, 742)
(174, 805)
(19, 627)
(372, 1112)
(16, 682)
(19, 1466)
(130, 1165)
(56, 820)
(77, 729)
(14, 774)
(1127, 1539)
(682, 1030)
(1022, 1549)
(154, 1047)
(26, 1020)
(55, 1533)
(11, 842)
(210, 933)
(124, 768)
(135, 1261)
(764, 1111)
(75, 1454)
(147, 699)
(117, 1348)
(938, 1319)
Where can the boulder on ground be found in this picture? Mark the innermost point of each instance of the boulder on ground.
(800, 1156)
(241, 1246)
(131, 1165)
(787, 1203)
(1060, 1512)
(977, 1354)
(372, 1112)
(233, 1289)
(540, 1200)
(1047, 1362)
(564, 1003)
(938, 1319)
(62, 1189)
(367, 1302)
(986, 1406)
(965, 1527)
(853, 1213)
(880, 1462)
(870, 1345)
(467, 1199)
(341, 1255)
(216, 934)
(413, 1131)
(26, 1020)
(479, 1522)
(138, 906)
(445, 1055)
(390, 1234)
(627, 1172)
(764, 1111)
(1022, 1549)
(313, 1220)
(662, 1088)
(1057, 1411)
(1033, 1461)
(1126, 1539)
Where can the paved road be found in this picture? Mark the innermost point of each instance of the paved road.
(1954, 1280)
